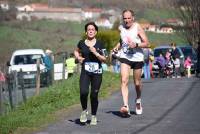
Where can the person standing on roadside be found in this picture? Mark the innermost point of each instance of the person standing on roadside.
(187, 65)
(146, 68)
(70, 65)
(90, 52)
(49, 63)
(177, 64)
(132, 40)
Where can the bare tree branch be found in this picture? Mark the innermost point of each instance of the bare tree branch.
(189, 11)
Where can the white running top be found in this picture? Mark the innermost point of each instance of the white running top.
(135, 54)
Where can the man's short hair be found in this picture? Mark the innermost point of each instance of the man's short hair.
(128, 10)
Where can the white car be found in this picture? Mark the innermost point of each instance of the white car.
(25, 60)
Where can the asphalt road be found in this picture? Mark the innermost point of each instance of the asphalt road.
(171, 106)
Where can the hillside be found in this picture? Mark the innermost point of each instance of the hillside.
(58, 36)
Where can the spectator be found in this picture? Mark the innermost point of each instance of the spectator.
(49, 65)
(146, 67)
(161, 62)
(177, 65)
(2, 77)
(70, 64)
(2, 80)
(187, 65)
(151, 60)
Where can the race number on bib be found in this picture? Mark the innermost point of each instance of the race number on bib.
(91, 66)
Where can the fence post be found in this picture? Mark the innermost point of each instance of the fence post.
(38, 77)
(10, 88)
(22, 85)
(64, 60)
(1, 98)
(15, 87)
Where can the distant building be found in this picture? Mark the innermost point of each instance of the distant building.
(43, 11)
(174, 21)
(145, 26)
(165, 30)
(153, 28)
(25, 8)
(156, 28)
(89, 13)
(103, 22)
(4, 5)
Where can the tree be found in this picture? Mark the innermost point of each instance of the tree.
(189, 11)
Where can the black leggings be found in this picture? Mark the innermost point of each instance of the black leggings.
(95, 81)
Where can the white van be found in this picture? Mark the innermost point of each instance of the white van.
(25, 60)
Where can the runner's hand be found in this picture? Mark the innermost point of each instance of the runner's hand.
(81, 59)
(93, 49)
(130, 43)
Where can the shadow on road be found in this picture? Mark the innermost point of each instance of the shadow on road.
(119, 114)
(77, 121)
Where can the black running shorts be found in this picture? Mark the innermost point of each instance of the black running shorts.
(132, 64)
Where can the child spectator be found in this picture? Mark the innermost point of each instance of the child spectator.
(177, 65)
(187, 65)
(161, 63)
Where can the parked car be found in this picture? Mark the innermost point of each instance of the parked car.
(162, 50)
(189, 51)
(25, 60)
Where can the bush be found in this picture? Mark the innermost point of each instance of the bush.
(109, 38)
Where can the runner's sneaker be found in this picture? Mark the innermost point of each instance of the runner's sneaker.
(93, 120)
(138, 107)
(83, 117)
(125, 110)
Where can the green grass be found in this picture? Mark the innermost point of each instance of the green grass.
(42, 109)
(58, 36)
(156, 16)
(41, 33)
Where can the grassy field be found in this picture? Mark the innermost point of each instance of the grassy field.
(156, 16)
(165, 39)
(51, 105)
(58, 36)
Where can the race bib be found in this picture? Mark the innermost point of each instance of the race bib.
(91, 67)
